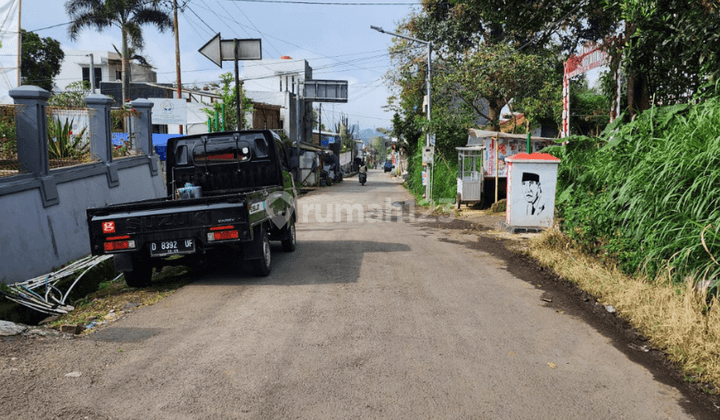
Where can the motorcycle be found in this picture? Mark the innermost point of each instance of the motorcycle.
(362, 176)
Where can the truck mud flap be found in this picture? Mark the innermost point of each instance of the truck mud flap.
(252, 250)
(123, 262)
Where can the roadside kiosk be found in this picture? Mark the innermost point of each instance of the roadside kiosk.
(498, 147)
(470, 175)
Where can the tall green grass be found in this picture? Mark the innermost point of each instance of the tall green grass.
(647, 193)
(444, 181)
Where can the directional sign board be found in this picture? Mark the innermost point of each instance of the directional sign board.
(326, 90)
(219, 50)
(248, 49)
(211, 50)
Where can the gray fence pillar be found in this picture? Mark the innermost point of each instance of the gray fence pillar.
(100, 134)
(32, 138)
(143, 126)
(31, 126)
(100, 125)
(143, 131)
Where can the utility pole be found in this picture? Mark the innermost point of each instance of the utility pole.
(238, 108)
(177, 55)
(297, 130)
(428, 135)
(92, 73)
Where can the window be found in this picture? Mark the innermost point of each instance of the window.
(98, 75)
(261, 147)
(221, 152)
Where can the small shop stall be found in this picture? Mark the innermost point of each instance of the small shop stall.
(470, 174)
(499, 146)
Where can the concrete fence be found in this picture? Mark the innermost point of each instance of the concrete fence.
(42, 212)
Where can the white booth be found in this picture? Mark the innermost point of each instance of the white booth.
(531, 186)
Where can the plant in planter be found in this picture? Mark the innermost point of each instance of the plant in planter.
(8, 141)
(63, 144)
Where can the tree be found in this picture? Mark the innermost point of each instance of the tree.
(490, 78)
(73, 96)
(347, 132)
(127, 15)
(41, 59)
(670, 49)
(489, 55)
(227, 91)
(461, 25)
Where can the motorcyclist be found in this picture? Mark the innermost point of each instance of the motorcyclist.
(362, 172)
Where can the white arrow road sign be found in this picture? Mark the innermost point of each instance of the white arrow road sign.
(219, 50)
(211, 50)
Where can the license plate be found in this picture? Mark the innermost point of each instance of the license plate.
(181, 246)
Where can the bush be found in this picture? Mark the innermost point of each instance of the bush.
(62, 143)
(645, 194)
(444, 177)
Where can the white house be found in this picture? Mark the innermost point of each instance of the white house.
(107, 67)
(276, 82)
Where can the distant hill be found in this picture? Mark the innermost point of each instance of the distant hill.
(369, 133)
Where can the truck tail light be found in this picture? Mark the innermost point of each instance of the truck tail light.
(221, 233)
(118, 245)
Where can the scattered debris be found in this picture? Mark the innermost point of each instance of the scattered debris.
(129, 305)
(552, 365)
(37, 331)
(8, 328)
(72, 329)
(50, 300)
(610, 308)
(73, 374)
(49, 320)
(639, 348)
(546, 299)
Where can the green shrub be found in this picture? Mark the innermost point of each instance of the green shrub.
(63, 143)
(647, 193)
(444, 180)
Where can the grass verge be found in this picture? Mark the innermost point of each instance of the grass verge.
(677, 319)
(114, 296)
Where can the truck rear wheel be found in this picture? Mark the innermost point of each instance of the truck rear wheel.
(289, 243)
(262, 265)
(140, 276)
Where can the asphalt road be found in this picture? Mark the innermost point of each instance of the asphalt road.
(381, 316)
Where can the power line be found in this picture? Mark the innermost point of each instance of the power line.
(50, 27)
(256, 28)
(201, 20)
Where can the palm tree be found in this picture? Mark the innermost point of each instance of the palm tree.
(128, 15)
(347, 132)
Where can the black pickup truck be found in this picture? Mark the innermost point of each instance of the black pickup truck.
(228, 191)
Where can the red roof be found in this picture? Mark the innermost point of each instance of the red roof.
(533, 157)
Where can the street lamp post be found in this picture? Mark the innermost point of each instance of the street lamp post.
(428, 186)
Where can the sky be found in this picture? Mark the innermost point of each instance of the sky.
(333, 36)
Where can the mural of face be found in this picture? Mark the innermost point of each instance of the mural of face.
(531, 187)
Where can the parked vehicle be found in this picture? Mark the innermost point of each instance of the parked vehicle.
(331, 165)
(227, 191)
(388, 166)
